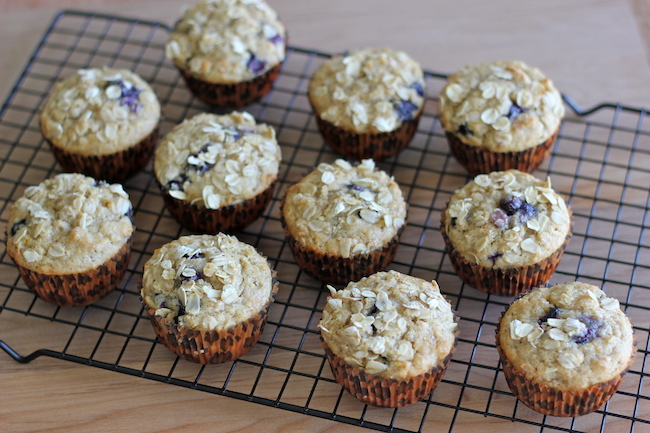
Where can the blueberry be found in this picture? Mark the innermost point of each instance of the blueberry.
(405, 109)
(256, 65)
(163, 304)
(17, 226)
(591, 331)
(202, 168)
(454, 220)
(464, 130)
(514, 111)
(418, 88)
(550, 314)
(99, 183)
(176, 184)
(526, 212)
(130, 95)
(277, 39)
(197, 276)
(372, 311)
(181, 312)
(354, 187)
(494, 257)
(197, 255)
(510, 204)
(499, 219)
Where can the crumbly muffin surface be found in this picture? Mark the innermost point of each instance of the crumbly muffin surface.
(68, 224)
(567, 336)
(227, 41)
(207, 282)
(214, 161)
(390, 324)
(99, 111)
(504, 106)
(342, 210)
(368, 91)
(506, 219)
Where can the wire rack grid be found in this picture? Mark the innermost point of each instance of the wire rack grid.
(599, 163)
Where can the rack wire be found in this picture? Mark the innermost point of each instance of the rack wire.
(599, 163)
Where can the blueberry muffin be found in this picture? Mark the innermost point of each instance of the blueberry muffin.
(388, 338)
(505, 232)
(71, 238)
(343, 221)
(217, 173)
(229, 52)
(208, 296)
(565, 349)
(500, 115)
(368, 103)
(102, 122)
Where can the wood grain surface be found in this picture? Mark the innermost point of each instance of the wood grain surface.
(594, 50)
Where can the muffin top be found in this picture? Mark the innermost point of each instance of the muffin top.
(368, 91)
(214, 161)
(390, 324)
(207, 281)
(227, 41)
(506, 219)
(99, 111)
(503, 106)
(343, 210)
(567, 336)
(68, 224)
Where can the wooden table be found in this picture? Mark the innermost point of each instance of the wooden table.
(595, 51)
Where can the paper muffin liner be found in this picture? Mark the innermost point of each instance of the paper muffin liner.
(213, 346)
(381, 391)
(479, 160)
(113, 167)
(82, 288)
(224, 219)
(362, 146)
(549, 400)
(333, 269)
(233, 95)
(508, 281)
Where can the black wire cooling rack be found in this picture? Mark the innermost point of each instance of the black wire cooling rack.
(601, 163)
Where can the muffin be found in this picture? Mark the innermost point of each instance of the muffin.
(101, 122)
(71, 238)
(229, 52)
(565, 349)
(368, 103)
(505, 232)
(217, 173)
(500, 115)
(208, 296)
(343, 221)
(388, 338)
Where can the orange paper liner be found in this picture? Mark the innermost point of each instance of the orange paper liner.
(213, 346)
(234, 95)
(479, 160)
(337, 269)
(82, 288)
(381, 391)
(114, 167)
(362, 146)
(503, 282)
(224, 219)
(549, 400)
